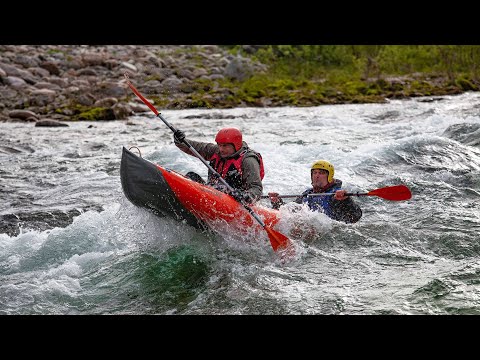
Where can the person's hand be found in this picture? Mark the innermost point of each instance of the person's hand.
(179, 135)
(274, 199)
(340, 195)
(240, 196)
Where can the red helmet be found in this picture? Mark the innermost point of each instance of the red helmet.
(230, 135)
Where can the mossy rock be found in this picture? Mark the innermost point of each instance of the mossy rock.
(96, 114)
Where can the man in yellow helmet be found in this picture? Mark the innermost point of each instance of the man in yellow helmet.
(338, 206)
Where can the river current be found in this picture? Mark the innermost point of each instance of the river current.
(71, 243)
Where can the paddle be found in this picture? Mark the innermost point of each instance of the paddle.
(277, 240)
(394, 193)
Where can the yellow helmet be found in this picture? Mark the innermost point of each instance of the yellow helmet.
(325, 165)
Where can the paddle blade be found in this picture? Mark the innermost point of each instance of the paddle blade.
(278, 240)
(145, 101)
(395, 193)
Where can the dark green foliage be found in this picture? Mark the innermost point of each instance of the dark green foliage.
(306, 75)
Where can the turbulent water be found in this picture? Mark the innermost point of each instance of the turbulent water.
(71, 243)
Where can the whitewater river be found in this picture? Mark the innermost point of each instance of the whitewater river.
(71, 243)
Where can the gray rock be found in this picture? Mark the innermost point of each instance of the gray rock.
(129, 66)
(42, 97)
(19, 73)
(106, 102)
(139, 108)
(22, 114)
(15, 82)
(238, 69)
(85, 99)
(51, 67)
(38, 71)
(63, 83)
(199, 72)
(26, 61)
(46, 85)
(80, 83)
(88, 72)
(122, 111)
(49, 123)
(151, 87)
(172, 83)
(152, 59)
(215, 77)
(113, 89)
(92, 59)
(8, 93)
(111, 64)
(186, 73)
(72, 90)
(11, 70)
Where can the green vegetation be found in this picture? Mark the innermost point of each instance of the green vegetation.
(80, 112)
(95, 113)
(306, 75)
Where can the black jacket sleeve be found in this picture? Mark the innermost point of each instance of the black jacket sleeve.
(346, 210)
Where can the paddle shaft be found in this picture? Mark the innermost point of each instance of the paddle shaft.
(394, 193)
(318, 194)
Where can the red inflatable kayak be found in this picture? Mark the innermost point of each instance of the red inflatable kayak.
(168, 193)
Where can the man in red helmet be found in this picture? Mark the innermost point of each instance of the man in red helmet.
(240, 166)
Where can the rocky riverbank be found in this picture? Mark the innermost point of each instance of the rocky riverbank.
(87, 82)
(50, 83)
